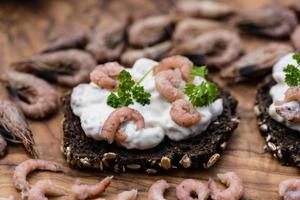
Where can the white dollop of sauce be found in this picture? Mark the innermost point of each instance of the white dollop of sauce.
(277, 91)
(88, 102)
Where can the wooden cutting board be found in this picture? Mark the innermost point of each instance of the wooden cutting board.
(26, 26)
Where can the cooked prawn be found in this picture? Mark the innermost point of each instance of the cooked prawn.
(81, 191)
(23, 169)
(42, 188)
(184, 114)
(292, 94)
(167, 84)
(290, 189)
(127, 195)
(173, 62)
(105, 75)
(290, 111)
(190, 187)
(234, 191)
(111, 126)
(157, 189)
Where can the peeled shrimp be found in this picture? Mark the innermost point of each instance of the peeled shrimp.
(214, 48)
(110, 129)
(295, 38)
(189, 187)
(8, 198)
(173, 62)
(105, 75)
(3, 146)
(41, 99)
(157, 189)
(184, 114)
(290, 189)
(42, 188)
(23, 169)
(234, 191)
(81, 191)
(167, 83)
(127, 195)
(148, 31)
(292, 94)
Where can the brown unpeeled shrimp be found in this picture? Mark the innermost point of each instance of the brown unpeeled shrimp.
(157, 189)
(105, 75)
(215, 48)
(190, 28)
(127, 195)
(272, 20)
(28, 166)
(176, 62)
(256, 63)
(234, 191)
(3, 146)
(77, 40)
(66, 67)
(290, 189)
(184, 114)
(189, 187)
(148, 31)
(154, 52)
(111, 126)
(167, 84)
(43, 188)
(82, 191)
(204, 8)
(35, 97)
(13, 124)
(295, 38)
(108, 44)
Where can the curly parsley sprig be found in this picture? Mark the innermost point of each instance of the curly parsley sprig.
(201, 94)
(292, 72)
(128, 91)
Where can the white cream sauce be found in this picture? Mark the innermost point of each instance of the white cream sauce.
(88, 102)
(277, 91)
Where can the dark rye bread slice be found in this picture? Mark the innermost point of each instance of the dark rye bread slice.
(201, 151)
(281, 141)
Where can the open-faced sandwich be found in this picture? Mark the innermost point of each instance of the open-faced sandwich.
(278, 110)
(150, 117)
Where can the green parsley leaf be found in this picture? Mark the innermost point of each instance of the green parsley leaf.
(127, 92)
(199, 71)
(292, 73)
(204, 93)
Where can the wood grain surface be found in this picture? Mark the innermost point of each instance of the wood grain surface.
(27, 25)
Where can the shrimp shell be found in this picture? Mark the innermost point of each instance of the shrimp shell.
(127, 195)
(191, 186)
(154, 52)
(295, 38)
(81, 191)
(272, 20)
(256, 63)
(28, 166)
(35, 97)
(290, 189)
(148, 31)
(67, 67)
(110, 129)
(14, 125)
(3, 146)
(157, 189)
(77, 40)
(234, 191)
(42, 188)
(215, 48)
(184, 114)
(204, 8)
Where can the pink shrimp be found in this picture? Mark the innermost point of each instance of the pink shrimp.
(167, 83)
(184, 114)
(173, 62)
(234, 191)
(190, 187)
(127, 195)
(81, 191)
(42, 188)
(290, 189)
(105, 75)
(110, 129)
(156, 191)
(23, 169)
